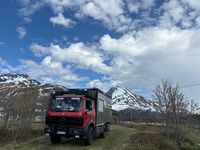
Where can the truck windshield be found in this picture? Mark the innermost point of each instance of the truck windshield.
(66, 104)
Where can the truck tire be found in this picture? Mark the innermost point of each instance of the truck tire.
(104, 133)
(90, 136)
(55, 139)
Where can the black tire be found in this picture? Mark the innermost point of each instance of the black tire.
(104, 133)
(55, 139)
(90, 136)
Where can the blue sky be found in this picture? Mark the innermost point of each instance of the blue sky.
(87, 43)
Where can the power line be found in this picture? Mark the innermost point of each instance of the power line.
(192, 85)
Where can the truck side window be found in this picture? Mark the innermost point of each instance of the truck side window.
(88, 104)
(100, 105)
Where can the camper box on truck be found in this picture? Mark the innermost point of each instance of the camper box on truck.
(81, 113)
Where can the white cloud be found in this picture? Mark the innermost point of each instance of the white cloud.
(111, 13)
(46, 71)
(125, 45)
(143, 58)
(29, 8)
(174, 12)
(5, 67)
(49, 70)
(147, 40)
(135, 5)
(114, 13)
(194, 4)
(198, 21)
(181, 13)
(22, 32)
(78, 54)
(103, 85)
(61, 20)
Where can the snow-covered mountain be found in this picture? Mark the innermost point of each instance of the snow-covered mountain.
(18, 79)
(11, 82)
(123, 99)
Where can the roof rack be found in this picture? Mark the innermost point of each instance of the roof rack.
(89, 92)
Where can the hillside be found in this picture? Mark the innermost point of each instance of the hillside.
(15, 84)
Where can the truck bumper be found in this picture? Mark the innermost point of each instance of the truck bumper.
(64, 131)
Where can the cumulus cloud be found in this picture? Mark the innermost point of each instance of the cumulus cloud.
(151, 54)
(61, 20)
(136, 59)
(49, 70)
(78, 54)
(22, 32)
(104, 85)
(111, 13)
(125, 45)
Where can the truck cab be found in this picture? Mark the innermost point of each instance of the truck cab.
(82, 113)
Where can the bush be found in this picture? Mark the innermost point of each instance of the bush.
(6, 135)
(188, 146)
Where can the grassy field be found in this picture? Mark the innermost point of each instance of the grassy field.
(126, 137)
(117, 139)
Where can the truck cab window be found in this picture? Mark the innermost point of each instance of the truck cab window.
(66, 104)
(88, 104)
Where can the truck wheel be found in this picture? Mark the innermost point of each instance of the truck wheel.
(103, 134)
(55, 139)
(90, 136)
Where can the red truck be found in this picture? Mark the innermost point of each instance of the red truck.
(81, 113)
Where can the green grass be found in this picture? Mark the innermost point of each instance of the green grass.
(149, 141)
(191, 143)
(37, 126)
(116, 140)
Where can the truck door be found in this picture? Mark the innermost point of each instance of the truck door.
(90, 109)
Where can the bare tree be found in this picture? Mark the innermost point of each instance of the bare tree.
(193, 107)
(19, 109)
(172, 104)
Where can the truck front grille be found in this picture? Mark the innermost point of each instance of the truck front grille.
(65, 121)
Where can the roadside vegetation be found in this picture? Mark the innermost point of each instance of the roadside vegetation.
(124, 136)
(153, 137)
